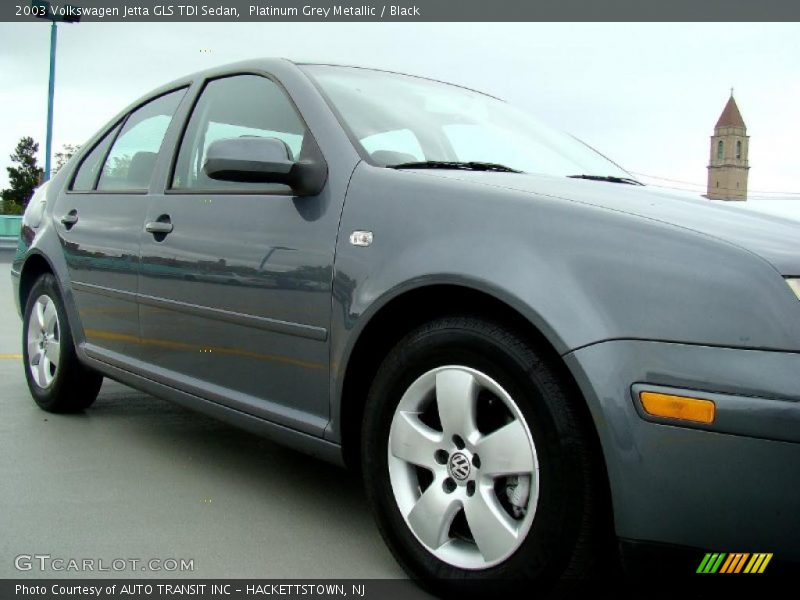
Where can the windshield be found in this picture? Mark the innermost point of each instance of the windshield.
(399, 119)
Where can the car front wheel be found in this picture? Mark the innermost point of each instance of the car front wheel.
(477, 461)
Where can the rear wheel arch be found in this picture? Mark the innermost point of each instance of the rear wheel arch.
(33, 268)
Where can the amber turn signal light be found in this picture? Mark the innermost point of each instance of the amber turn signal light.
(682, 408)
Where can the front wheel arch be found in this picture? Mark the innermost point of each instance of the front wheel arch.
(413, 308)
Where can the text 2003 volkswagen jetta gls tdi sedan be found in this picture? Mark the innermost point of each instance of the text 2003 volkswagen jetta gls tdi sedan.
(521, 348)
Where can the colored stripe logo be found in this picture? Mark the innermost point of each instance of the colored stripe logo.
(734, 562)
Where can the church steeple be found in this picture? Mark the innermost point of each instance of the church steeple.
(728, 164)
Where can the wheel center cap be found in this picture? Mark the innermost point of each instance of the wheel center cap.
(459, 466)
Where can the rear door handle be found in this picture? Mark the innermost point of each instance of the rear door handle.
(163, 226)
(69, 219)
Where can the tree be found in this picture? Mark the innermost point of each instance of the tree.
(67, 152)
(23, 178)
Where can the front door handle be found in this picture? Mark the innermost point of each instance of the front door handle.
(158, 227)
(69, 219)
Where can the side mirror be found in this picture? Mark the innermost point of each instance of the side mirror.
(263, 160)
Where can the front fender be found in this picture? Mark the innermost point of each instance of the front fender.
(581, 274)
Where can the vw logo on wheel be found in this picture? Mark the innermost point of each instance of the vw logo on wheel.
(459, 466)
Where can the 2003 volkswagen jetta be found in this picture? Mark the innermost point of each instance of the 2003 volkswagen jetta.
(524, 351)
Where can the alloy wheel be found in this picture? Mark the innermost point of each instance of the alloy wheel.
(44, 341)
(463, 467)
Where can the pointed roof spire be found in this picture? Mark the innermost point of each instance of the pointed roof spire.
(730, 117)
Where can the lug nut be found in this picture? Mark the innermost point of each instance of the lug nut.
(470, 488)
(458, 442)
(449, 486)
(441, 456)
(476, 461)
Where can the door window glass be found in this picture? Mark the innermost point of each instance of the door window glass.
(242, 105)
(132, 159)
(90, 167)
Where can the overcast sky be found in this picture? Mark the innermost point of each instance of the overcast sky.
(646, 95)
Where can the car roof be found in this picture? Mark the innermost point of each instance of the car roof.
(389, 71)
(269, 63)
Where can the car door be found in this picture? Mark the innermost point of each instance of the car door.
(99, 221)
(236, 278)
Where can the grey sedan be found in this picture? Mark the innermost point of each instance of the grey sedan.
(529, 356)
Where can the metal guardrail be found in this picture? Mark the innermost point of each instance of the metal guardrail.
(10, 226)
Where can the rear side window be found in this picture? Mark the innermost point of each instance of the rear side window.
(132, 159)
(241, 105)
(87, 173)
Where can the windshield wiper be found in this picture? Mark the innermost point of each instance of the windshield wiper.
(445, 164)
(610, 178)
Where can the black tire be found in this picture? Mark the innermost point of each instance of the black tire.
(74, 387)
(561, 546)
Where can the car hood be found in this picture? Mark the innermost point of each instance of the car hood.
(774, 238)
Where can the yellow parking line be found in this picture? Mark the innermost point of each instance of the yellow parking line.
(10, 356)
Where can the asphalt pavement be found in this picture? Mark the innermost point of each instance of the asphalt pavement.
(135, 478)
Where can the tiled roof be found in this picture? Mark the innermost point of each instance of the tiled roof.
(730, 117)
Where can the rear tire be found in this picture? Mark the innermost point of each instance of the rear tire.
(57, 380)
(526, 509)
